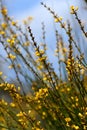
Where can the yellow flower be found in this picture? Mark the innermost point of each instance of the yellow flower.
(2, 119)
(4, 102)
(44, 113)
(36, 128)
(20, 114)
(38, 123)
(58, 19)
(19, 88)
(26, 44)
(10, 66)
(39, 107)
(68, 89)
(57, 87)
(2, 32)
(73, 9)
(75, 127)
(25, 21)
(11, 41)
(12, 104)
(11, 56)
(14, 36)
(37, 53)
(4, 11)
(1, 73)
(13, 23)
(4, 25)
(39, 67)
(45, 78)
(67, 119)
(80, 115)
(42, 52)
(86, 113)
(30, 18)
(18, 66)
(43, 92)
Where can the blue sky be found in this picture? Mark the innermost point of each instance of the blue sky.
(18, 6)
(21, 9)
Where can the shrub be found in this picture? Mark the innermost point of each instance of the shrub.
(53, 101)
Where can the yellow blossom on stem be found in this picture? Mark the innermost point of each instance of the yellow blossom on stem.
(58, 19)
(3, 102)
(73, 9)
(11, 41)
(2, 32)
(1, 73)
(67, 119)
(11, 56)
(12, 104)
(4, 25)
(20, 114)
(19, 88)
(10, 66)
(80, 115)
(26, 44)
(37, 53)
(18, 66)
(30, 18)
(13, 23)
(4, 11)
(75, 127)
